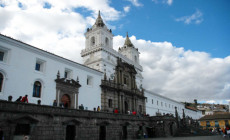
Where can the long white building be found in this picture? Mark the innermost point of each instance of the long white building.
(157, 104)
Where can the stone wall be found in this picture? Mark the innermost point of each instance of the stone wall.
(54, 123)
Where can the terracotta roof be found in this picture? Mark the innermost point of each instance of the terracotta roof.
(216, 117)
(191, 108)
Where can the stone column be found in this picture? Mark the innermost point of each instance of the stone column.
(133, 103)
(118, 101)
(76, 100)
(58, 96)
(122, 102)
(144, 106)
(103, 100)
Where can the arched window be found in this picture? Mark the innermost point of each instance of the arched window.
(106, 41)
(135, 58)
(110, 103)
(92, 41)
(140, 108)
(37, 89)
(1, 81)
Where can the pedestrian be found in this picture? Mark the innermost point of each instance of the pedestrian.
(19, 99)
(134, 113)
(55, 103)
(81, 107)
(1, 134)
(116, 111)
(25, 99)
(98, 108)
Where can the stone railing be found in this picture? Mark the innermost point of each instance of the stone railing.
(6, 106)
(112, 85)
(114, 52)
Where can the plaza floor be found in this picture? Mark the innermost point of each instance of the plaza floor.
(217, 137)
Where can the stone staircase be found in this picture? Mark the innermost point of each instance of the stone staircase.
(192, 131)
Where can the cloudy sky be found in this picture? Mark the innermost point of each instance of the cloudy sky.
(184, 45)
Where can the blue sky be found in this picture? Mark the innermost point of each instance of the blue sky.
(184, 44)
(157, 22)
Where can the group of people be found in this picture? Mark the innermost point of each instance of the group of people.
(222, 131)
(116, 111)
(22, 99)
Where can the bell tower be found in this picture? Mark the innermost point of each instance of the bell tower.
(129, 50)
(98, 53)
(99, 35)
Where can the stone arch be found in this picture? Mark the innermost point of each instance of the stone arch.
(135, 58)
(140, 108)
(106, 41)
(3, 78)
(37, 89)
(92, 41)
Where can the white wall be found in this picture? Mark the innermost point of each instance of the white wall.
(166, 105)
(20, 74)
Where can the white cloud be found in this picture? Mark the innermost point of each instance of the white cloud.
(55, 29)
(126, 9)
(169, 2)
(196, 18)
(217, 101)
(136, 3)
(180, 74)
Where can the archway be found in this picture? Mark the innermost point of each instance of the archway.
(65, 100)
(126, 107)
(102, 132)
(140, 109)
(125, 132)
(70, 132)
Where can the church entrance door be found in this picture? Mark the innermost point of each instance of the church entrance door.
(102, 133)
(124, 132)
(70, 132)
(65, 100)
(150, 132)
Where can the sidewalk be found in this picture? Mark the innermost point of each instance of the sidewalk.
(216, 137)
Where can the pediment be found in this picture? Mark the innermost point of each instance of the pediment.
(26, 119)
(72, 122)
(104, 123)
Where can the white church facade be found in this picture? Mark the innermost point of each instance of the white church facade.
(107, 78)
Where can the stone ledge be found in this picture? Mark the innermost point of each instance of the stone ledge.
(7, 106)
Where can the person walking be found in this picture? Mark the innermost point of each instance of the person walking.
(25, 99)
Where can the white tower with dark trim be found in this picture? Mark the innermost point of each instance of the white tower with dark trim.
(99, 53)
